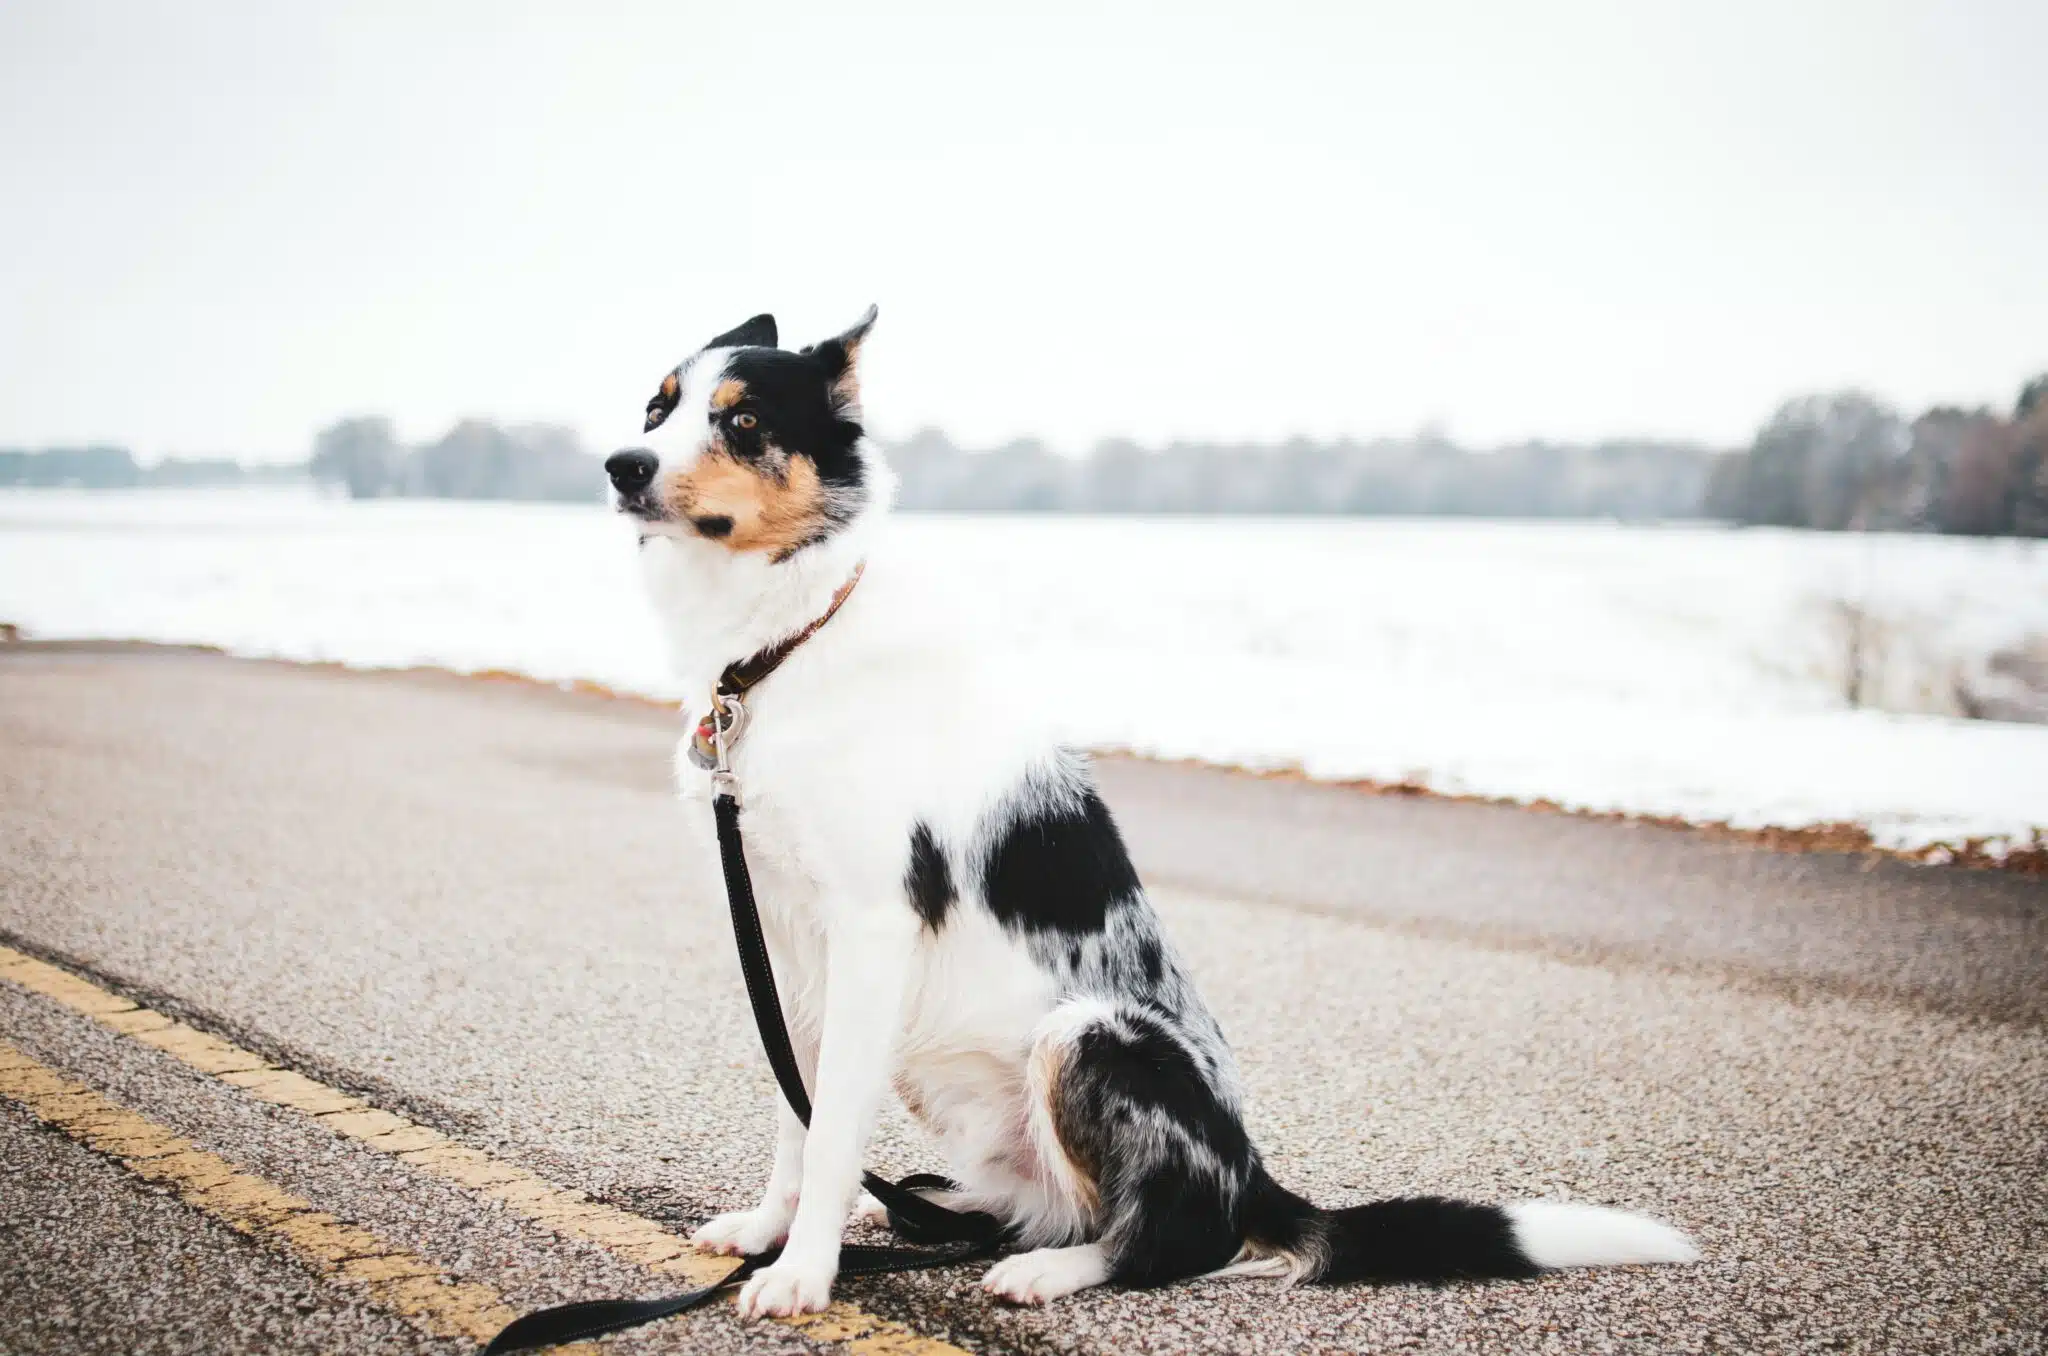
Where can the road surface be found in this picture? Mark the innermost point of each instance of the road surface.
(346, 1012)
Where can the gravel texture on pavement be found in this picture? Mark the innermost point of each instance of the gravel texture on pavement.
(476, 903)
(1611, 892)
(96, 1262)
(469, 1242)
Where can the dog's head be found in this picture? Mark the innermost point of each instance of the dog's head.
(751, 446)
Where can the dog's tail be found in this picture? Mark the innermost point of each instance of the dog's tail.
(1431, 1238)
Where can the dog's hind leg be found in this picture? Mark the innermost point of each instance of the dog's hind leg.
(1047, 1273)
(1133, 1134)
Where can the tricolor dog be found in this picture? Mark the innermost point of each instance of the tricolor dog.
(950, 910)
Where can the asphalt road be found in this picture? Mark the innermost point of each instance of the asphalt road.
(469, 903)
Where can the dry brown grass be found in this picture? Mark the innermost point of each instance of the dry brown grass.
(1853, 839)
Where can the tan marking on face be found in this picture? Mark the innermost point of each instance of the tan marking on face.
(776, 505)
(728, 393)
(670, 387)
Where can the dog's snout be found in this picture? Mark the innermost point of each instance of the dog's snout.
(631, 469)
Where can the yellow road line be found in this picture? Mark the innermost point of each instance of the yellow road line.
(560, 1210)
(394, 1278)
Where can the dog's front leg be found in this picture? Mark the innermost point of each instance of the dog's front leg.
(746, 1232)
(867, 966)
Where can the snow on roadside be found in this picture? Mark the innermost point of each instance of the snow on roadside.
(1674, 672)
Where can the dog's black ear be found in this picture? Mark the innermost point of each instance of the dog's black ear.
(840, 357)
(756, 333)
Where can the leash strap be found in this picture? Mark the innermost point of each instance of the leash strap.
(927, 1222)
(954, 1235)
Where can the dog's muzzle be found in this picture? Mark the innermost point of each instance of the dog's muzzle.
(632, 470)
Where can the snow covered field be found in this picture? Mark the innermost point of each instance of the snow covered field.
(1690, 672)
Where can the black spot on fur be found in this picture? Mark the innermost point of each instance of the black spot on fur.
(928, 880)
(1150, 961)
(1156, 1071)
(1150, 1006)
(1182, 1228)
(1058, 870)
(792, 400)
(1167, 1210)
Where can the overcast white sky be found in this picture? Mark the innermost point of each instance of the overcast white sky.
(225, 224)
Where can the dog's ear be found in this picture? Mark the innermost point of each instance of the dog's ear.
(756, 333)
(840, 357)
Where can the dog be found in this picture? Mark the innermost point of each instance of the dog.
(950, 910)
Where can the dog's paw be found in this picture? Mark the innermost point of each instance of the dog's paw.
(1046, 1274)
(742, 1233)
(790, 1287)
(868, 1210)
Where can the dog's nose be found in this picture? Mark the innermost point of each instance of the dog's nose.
(631, 469)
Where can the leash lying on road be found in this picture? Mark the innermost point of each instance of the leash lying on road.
(948, 1236)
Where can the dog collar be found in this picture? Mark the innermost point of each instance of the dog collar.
(711, 743)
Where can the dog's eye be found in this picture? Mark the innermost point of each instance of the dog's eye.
(744, 420)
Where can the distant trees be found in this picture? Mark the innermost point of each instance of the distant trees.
(115, 468)
(2027, 471)
(94, 468)
(1819, 461)
(480, 460)
(2032, 397)
(1848, 461)
(360, 455)
(1427, 474)
(1840, 461)
(476, 459)
(188, 472)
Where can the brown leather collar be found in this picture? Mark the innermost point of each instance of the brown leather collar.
(727, 716)
(742, 677)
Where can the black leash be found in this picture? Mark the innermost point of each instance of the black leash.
(950, 1236)
(911, 1215)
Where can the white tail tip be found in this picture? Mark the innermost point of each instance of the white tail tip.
(1563, 1234)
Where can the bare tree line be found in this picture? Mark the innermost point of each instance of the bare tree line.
(476, 459)
(1841, 461)
(101, 466)
(1849, 461)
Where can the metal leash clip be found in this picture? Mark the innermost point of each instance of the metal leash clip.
(728, 719)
